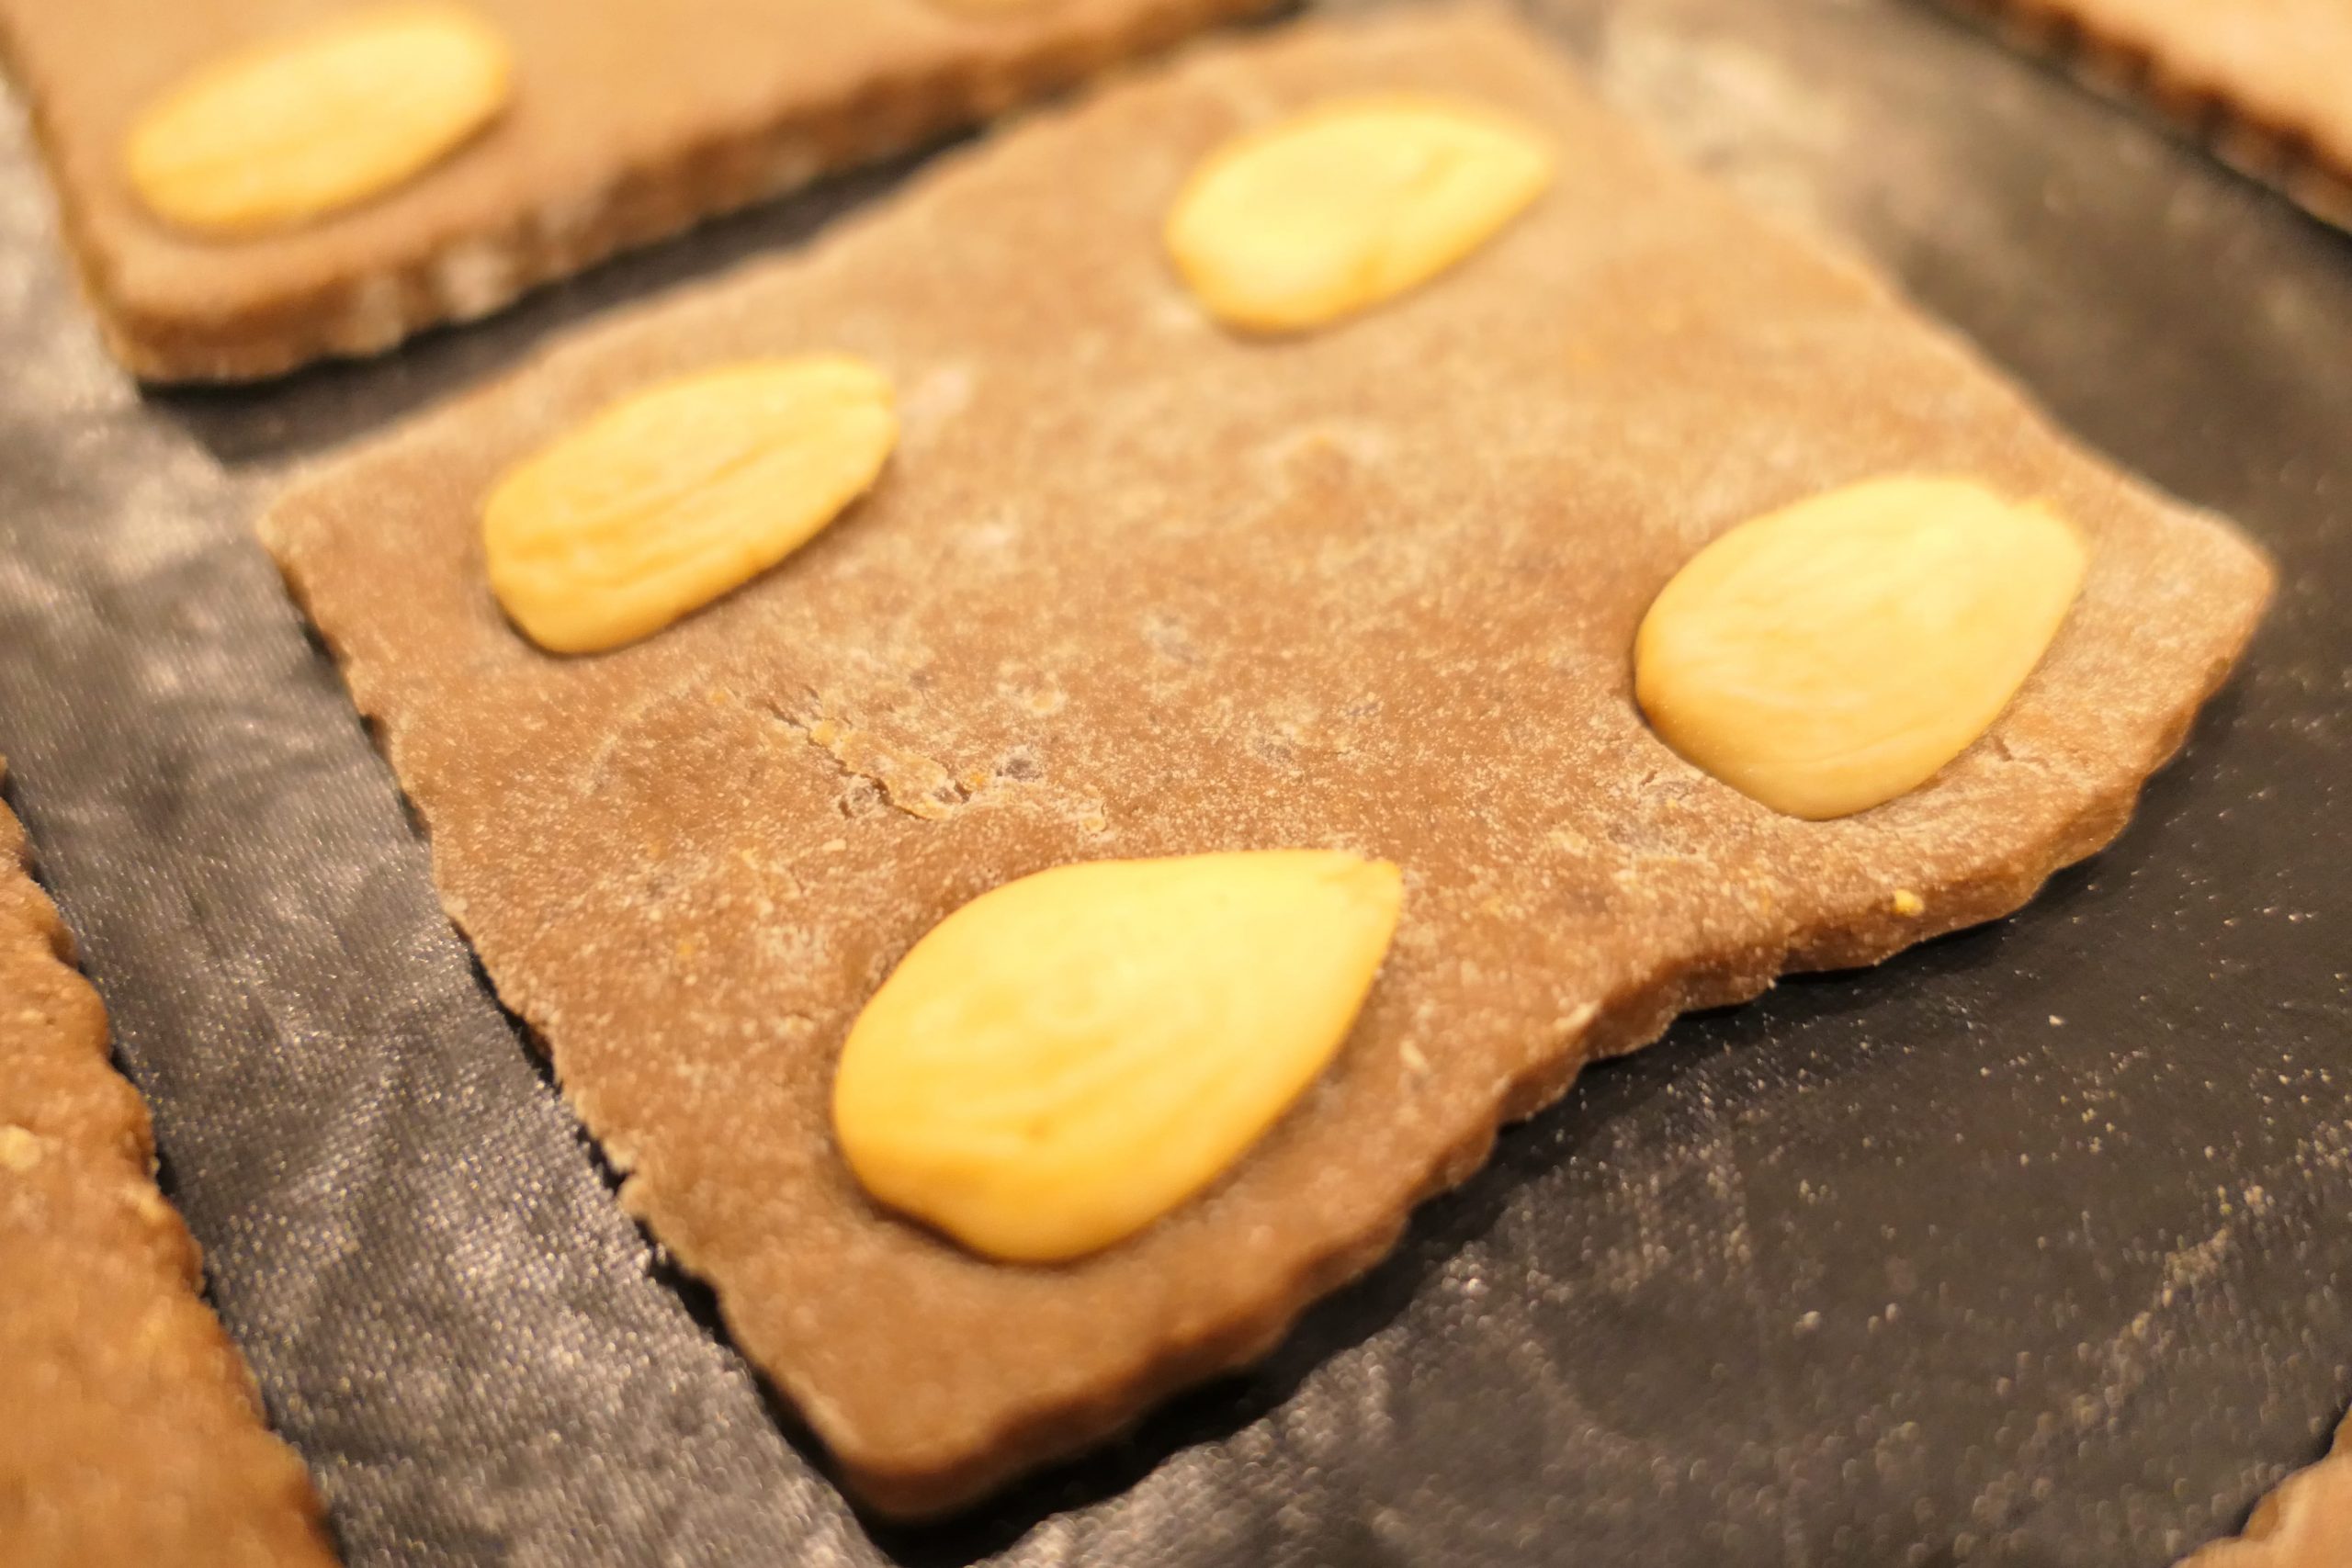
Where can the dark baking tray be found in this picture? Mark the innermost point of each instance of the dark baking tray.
(2026, 1249)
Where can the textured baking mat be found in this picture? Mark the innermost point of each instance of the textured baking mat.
(2023, 1249)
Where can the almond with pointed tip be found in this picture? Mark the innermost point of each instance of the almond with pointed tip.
(1071, 1055)
(1831, 655)
(672, 498)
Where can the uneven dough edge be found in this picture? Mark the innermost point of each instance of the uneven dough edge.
(2290, 157)
(1625, 1025)
(939, 1482)
(115, 1310)
(361, 317)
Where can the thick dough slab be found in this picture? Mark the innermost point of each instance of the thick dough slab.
(2261, 81)
(1133, 586)
(128, 1431)
(630, 122)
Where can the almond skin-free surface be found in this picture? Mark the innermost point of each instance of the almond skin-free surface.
(629, 120)
(1071, 1055)
(316, 120)
(1136, 587)
(679, 493)
(1832, 654)
(1347, 206)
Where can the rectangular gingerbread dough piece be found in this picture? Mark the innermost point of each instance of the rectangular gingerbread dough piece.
(129, 1430)
(630, 120)
(1134, 586)
(2262, 81)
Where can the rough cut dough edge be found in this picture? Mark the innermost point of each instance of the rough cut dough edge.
(360, 318)
(1620, 1026)
(2284, 155)
(1624, 1025)
(17, 860)
(1038, 1438)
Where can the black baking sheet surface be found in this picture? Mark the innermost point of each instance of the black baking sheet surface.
(2026, 1249)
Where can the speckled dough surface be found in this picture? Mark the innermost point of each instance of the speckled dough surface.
(1134, 587)
(128, 1431)
(2307, 1523)
(629, 122)
(2262, 80)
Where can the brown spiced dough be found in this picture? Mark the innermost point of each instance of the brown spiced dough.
(1135, 586)
(630, 122)
(2307, 1523)
(2261, 81)
(129, 1435)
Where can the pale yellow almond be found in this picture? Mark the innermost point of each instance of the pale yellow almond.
(670, 499)
(1347, 203)
(1070, 1056)
(1829, 657)
(301, 126)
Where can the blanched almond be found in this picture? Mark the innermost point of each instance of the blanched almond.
(1068, 1057)
(1831, 655)
(318, 121)
(1347, 205)
(668, 499)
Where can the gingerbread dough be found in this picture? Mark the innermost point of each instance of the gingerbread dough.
(2262, 81)
(1134, 585)
(129, 1434)
(630, 122)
